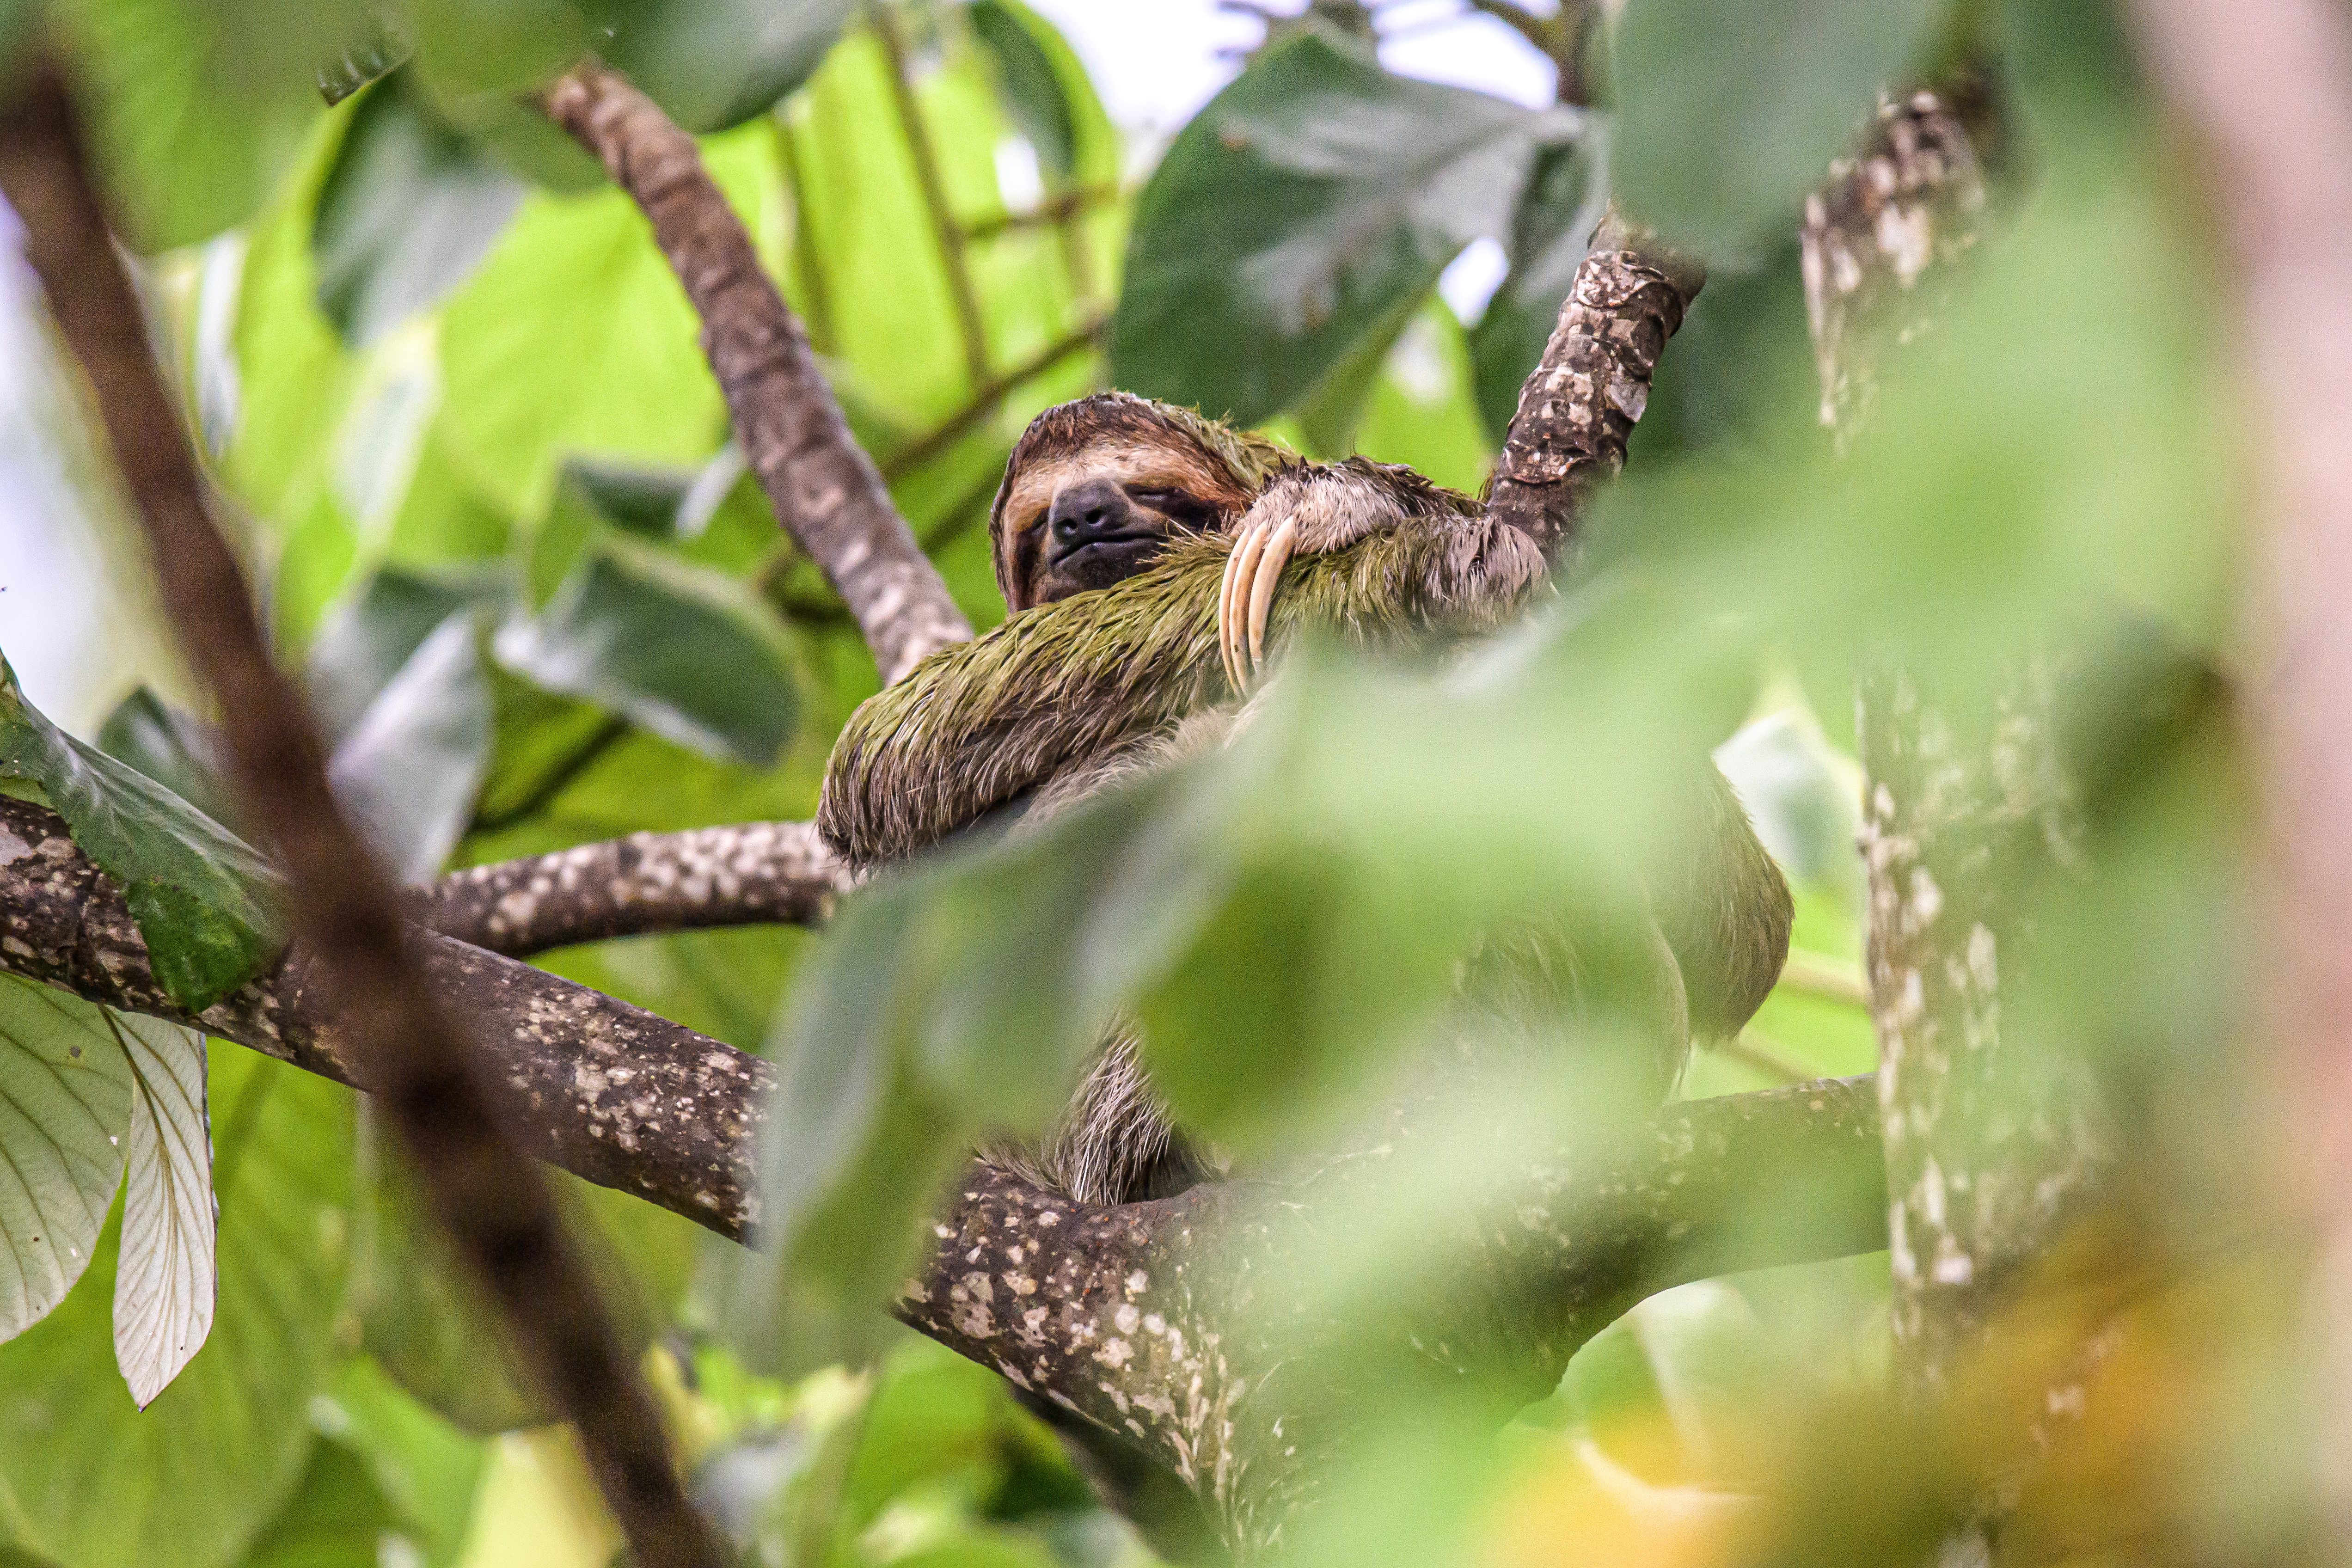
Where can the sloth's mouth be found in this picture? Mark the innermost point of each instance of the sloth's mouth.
(1106, 547)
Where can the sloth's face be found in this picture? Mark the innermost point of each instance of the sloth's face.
(1090, 519)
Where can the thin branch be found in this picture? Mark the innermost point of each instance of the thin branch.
(1813, 975)
(944, 227)
(821, 484)
(984, 400)
(1050, 213)
(1579, 404)
(555, 780)
(808, 261)
(752, 874)
(489, 1196)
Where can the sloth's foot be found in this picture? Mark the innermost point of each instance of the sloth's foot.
(1247, 596)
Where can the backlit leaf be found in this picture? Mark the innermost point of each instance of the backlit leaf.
(165, 1281)
(64, 1105)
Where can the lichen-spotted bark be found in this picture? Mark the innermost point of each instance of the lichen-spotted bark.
(1988, 1150)
(1578, 407)
(740, 874)
(824, 487)
(608, 1091)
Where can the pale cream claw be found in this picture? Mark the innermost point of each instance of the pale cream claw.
(1240, 572)
(1268, 575)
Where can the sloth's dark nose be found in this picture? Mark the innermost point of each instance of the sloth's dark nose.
(1095, 510)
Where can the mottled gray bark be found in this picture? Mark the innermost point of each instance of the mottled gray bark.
(747, 873)
(1989, 1150)
(822, 485)
(1885, 221)
(1178, 1324)
(1578, 406)
(610, 1093)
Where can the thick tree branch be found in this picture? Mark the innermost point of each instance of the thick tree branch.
(608, 1091)
(1580, 404)
(822, 485)
(391, 1025)
(748, 873)
(1170, 1323)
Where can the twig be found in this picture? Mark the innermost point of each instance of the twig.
(808, 261)
(1054, 210)
(984, 400)
(750, 873)
(944, 227)
(1579, 404)
(491, 1198)
(821, 484)
(555, 781)
(1817, 976)
(1751, 1047)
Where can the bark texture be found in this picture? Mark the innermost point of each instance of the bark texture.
(749, 873)
(1580, 404)
(1884, 220)
(1181, 1326)
(822, 485)
(393, 1029)
(608, 1091)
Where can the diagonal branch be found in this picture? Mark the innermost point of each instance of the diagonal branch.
(822, 485)
(392, 1023)
(1579, 404)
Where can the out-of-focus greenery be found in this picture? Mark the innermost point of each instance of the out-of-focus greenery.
(537, 600)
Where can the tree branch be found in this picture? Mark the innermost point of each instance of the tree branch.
(390, 1023)
(1579, 404)
(933, 190)
(751, 874)
(822, 485)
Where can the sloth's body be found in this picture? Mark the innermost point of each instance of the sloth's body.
(1140, 548)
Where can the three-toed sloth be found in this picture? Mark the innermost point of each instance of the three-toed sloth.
(1153, 560)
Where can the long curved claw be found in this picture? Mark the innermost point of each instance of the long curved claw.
(1268, 569)
(1233, 603)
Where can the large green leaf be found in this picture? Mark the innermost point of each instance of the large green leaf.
(87, 1481)
(1313, 200)
(712, 64)
(1032, 86)
(371, 636)
(64, 1105)
(408, 210)
(165, 1280)
(410, 768)
(207, 904)
(683, 652)
(1731, 112)
(202, 104)
(174, 749)
(338, 1517)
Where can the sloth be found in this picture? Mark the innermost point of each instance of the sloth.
(1154, 561)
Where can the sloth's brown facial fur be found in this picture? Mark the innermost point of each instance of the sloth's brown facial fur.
(1098, 488)
(1092, 518)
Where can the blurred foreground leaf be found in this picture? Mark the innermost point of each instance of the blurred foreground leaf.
(410, 769)
(713, 64)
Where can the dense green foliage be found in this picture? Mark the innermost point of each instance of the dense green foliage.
(501, 528)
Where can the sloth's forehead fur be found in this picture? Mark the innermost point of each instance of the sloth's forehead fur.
(1132, 441)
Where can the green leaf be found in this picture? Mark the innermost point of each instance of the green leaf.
(378, 53)
(91, 1481)
(371, 636)
(1031, 88)
(201, 104)
(689, 654)
(64, 1103)
(173, 747)
(206, 903)
(410, 769)
(498, 48)
(428, 1469)
(337, 1518)
(166, 1282)
(1312, 201)
(712, 64)
(408, 210)
(1730, 113)
(1555, 217)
